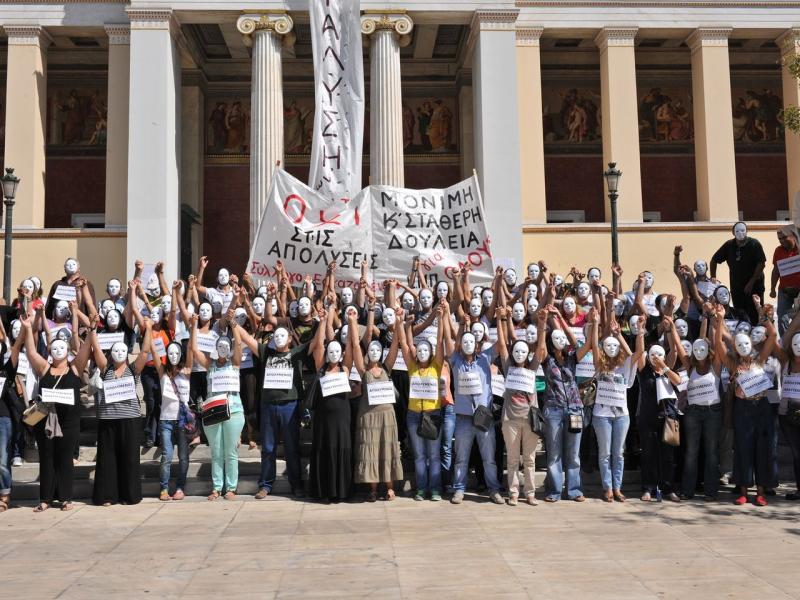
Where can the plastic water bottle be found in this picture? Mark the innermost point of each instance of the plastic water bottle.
(658, 495)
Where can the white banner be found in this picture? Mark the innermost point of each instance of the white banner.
(339, 98)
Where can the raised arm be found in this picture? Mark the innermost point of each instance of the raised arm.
(541, 335)
(355, 345)
(236, 329)
(317, 347)
(99, 356)
(82, 358)
(501, 345)
(201, 271)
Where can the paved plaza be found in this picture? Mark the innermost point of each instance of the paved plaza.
(281, 548)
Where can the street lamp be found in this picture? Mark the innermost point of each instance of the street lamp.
(612, 175)
(10, 183)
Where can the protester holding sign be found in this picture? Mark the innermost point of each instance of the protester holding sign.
(786, 270)
(788, 352)
(66, 288)
(118, 474)
(746, 261)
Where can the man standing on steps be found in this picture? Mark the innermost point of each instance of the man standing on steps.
(746, 261)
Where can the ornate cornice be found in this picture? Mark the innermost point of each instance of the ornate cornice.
(27, 35)
(118, 34)
(789, 41)
(616, 37)
(708, 37)
(494, 19)
(529, 36)
(149, 19)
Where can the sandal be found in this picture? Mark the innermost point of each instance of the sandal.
(65, 506)
(179, 495)
(230, 495)
(608, 496)
(619, 496)
(213, 496)
(194, 443)
(513, 499)
(164, 496)
(390, 495)
(41, 507)
(4, 504)
(531, 498)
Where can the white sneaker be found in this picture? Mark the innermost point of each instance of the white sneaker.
(17, 462)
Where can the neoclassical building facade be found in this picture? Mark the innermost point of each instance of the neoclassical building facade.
(150, 129)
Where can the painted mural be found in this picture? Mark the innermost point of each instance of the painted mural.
(430, 124)
(665, 114)
(228, 125)
(757, 115)
(77, 117)
(571, 114)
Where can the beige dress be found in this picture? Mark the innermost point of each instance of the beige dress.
(377, 447)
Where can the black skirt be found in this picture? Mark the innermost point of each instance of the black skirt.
(331, 471)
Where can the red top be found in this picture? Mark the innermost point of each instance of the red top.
(786, 281)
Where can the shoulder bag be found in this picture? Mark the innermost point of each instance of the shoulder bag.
(215, 409)
(671, 434)
(429, 425)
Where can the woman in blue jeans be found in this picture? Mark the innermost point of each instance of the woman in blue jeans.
(615, 370)
(788, 352)
(560, 356)
(11, 407)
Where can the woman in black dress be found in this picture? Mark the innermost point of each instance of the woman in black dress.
(331, 472)
(57, 434)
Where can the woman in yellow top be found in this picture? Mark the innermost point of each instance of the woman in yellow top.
(424, 417)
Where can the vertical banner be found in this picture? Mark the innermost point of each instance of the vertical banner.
(339, 91)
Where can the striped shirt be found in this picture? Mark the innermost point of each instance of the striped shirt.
(126, 409)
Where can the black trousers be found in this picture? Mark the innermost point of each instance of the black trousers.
(251, 401)
(56, 469)
(118, 475)
(151, 389)
(657, 460)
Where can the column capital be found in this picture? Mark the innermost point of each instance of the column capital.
(616, 37)
(150, 19)
(496, 20)
(529, 36)
(118, 34)
(277, 22)
(709, 36)
(27, 35)
(789, 41)
(393, 20)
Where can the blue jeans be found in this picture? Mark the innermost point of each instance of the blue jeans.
(563, 454)
(6, 432)
(466, 433)
(702, 423)
(280, 420)
(792, 434)
(427, 455)
(170, 435)
(784, 306)
(448, 428)
(611, 432)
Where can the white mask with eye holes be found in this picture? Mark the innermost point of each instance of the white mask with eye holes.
(333, 353)
(477, 292)
(467, 344)
(304, 306)
(682, 327)
(388, 317)
(583, 290)
(216, 306)
(442, 290)
(61, 310)
(259, 306)
(293, 309)
(224, 346)
(223, 277)
(343, 332)
(423, 352)
(533, 306)
(487, 296)
(744, 345)
(113, 287)
(517, 312)
(531, 289)
(205, 312)
(758, 334)
(559, 339)
(796, 344)
(281, 338)
(262, 291)
(156, 315)
(611, 347)
(744, 327)
(558, 280)
(59, 349)
(37, 283)
(16, 327)
(407, 300)
(478, 331)
(533, 271)
(520, 352)
(700, 349)
(374, 352)
(174, 354)
(531, 334)
(687, 347)
(619, 307)
(166, 304)
(71, 266)
(510, 277)
(378, 312)
(568, 305)
(648, 280)
(593, 275)
(475, 307)
(722, 295)
(153, 288)
(426, 299)
(654, 352)
(633, 323)
(240, 315)
(27, 286)
(274, 304)
(347, 295)
(113, 319)
(740, 232)
(700, 267)
(119, 353)
(105, 306)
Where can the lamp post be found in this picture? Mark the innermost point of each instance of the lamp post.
(612, 175)
(10, 183)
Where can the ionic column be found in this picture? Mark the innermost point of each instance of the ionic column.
(26, 109)
(265, 32)
(715, 161)
(388, 32)
(531, 130)
(789, 44)
(119, 71)
(621, 117)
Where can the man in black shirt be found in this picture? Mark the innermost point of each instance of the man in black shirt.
(746, 261)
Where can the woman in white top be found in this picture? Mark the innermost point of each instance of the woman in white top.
(788, 352)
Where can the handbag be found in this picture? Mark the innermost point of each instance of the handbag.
(588, 392)
(536, 420)
(575, 423)
(671, 434)
(482, 419)
(428, 426)
(216, 409)
(35, 413)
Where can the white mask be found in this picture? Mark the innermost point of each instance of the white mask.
(568, 305)
(426, 299)
(475, 307)
(153, 288)
(105, 306)
(758, 334)
(583, 290)
(166, 304)
(333, 354)
(558, 280)
(407, 300)
(634, 325)
(510, 277)
(223, 277)
(740, 232)
(174, 354)
(619, 307)
(593, 275)
(259, 305)
(71, 266)
(240, 315)
(744, 327)
(477, 292)
(478, 331)
(467, 344)
(205, 312)
(744, 346)
(682, 327)
(113, 287)
(274, 304)
(375, 352)
(37, 283)
(119, 353)
(533, 306)
(442, 290)
(293, 308)
(262, 291)
(700, 267)
(517, 312)
(488, 297)
(61, 310)
(343, 334)
(16, 327)
(347, 295)
(59, 349)
(533, 271)
(611, 347)
(722, 295)
(423, 352)
(281, 338)
(27, 286)
(378, 312)
(156, 315)
(648, 280)
(687, 347)
(520, 352)
(304, 306)
(559, 339)
(216, 306)
(112, 319)
(388, 317)
(700, 349)
(531, 334)
(656, 351)
(796, 344)
(223, 347)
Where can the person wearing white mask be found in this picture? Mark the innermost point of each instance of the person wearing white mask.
(696, 288)
(177, 423)
(788, 352)
(570, 313)
(117, 476)
(223, 437)
(615, 371)
(645, 297)
(12, 406)
(746, 261)
(785, 287)
(222, 292)
(56, 435)
(753, 420)
(72, 275)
